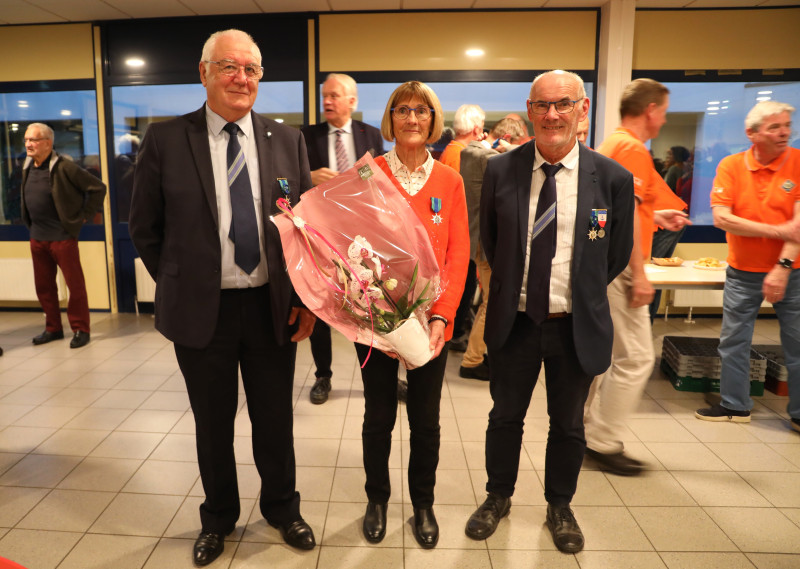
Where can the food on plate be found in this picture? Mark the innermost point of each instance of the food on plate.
(708, 262)
(668, 261)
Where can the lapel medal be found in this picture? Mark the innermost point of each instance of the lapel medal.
(593, 226)
(602, 215)
(436, 206)
(284, 184)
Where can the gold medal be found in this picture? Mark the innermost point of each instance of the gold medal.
(601, 233)
(592, 234)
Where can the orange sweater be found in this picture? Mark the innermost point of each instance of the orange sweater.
(450, 238)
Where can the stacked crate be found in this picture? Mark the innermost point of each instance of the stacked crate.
(777, 376)
(693, 364)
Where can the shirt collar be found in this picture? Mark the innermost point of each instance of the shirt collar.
(570, 161)
(753, 165)
(347, 127)
(216, 123)
(396, 166)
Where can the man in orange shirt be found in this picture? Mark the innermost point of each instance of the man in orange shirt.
(615, 394)
(756, 200)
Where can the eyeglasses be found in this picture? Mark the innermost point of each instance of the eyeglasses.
(231, 68)
(27, 140)
(403, 112)
(543, 107)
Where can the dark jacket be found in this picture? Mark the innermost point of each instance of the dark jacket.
(78, 195)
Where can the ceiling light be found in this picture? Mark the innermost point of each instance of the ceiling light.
(763, 98)
(278, 120)
(134, 62)
(713, 102)
(66, 113)
(712, 109)
(22, 104)
(765, 92)
(475, 52)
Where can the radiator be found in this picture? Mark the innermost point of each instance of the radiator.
(145, 285)
(17, 284)
(701, 298)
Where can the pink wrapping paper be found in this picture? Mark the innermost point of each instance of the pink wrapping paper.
(357, 206)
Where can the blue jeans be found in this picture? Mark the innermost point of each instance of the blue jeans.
(741, 301)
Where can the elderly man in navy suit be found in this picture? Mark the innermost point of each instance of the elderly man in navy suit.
(334, 146)
(556, 228)
(204, 188)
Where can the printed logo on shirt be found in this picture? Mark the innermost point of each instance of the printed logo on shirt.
(788, 186)
(718, 189)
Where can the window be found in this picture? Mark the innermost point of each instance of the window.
(707, 119)
(73, 117)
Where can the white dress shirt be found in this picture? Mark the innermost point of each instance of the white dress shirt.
(347, 139)
(566, 208)
(232, 275)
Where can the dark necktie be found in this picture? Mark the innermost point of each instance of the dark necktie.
(543, 248)
(244, 227)
(342, 161)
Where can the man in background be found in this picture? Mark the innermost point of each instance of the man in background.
(333, 147)
(756, 200)
(58, 197)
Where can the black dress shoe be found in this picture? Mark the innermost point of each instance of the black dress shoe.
(617, 463)
(374, 526)
(480, 372)
(79, 340)
(297, 534)
(566, 534)
(483, 522)
(426, 530)
(46, 336)
(402, 390)
(319, 393)
(208, 546)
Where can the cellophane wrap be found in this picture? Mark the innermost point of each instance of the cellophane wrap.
(359, 224)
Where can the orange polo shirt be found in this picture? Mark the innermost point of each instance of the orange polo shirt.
(451, 155)
(759, 193)
(632, 154)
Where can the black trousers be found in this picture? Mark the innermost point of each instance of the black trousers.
(380, 413)
(321, 349)
(243, 338)
(515, 369)
(466, 300)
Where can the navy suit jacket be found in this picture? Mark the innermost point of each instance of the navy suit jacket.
(367, 138)
(174, 221)
(602, 184)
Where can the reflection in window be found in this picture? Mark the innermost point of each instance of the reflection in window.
(135, 107)
(73, 117)
(705, 123)
(497, 99)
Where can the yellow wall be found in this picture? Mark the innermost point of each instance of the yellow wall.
(438, 40)
(717, 39)
(93, 261)
(62, 51)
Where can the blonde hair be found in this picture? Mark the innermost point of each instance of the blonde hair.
(406, 92)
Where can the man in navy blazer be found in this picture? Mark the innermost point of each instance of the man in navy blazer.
(220, 313)
(573, 336)
(339, 100)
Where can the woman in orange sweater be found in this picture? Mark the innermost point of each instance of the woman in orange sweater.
(413, 119)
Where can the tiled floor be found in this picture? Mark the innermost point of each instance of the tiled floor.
(97, 470)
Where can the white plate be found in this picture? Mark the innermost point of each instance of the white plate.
(722, 267)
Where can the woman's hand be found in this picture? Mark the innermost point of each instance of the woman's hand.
(437, 337)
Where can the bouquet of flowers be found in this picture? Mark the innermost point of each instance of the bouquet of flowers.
(361, 260)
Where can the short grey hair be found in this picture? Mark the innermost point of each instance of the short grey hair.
(467, 117)
(575, 76)
(46, 131)
(765, 109)
(211, 44)
(348, 83)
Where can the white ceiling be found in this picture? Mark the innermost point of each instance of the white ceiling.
(54, 11)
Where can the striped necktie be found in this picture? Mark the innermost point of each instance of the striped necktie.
(342, 161)
(543, 248)
(244, 226)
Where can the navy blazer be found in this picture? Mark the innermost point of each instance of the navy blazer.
(505, 194)
(174, 221)
(367, 138)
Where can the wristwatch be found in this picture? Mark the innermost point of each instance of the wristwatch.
(786, 263)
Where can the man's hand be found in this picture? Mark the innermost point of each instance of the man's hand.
(774, 286)
(790, 231)
(671, 219)
(437, 337)
(306, 324)
(322, 175)
(641, 293)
